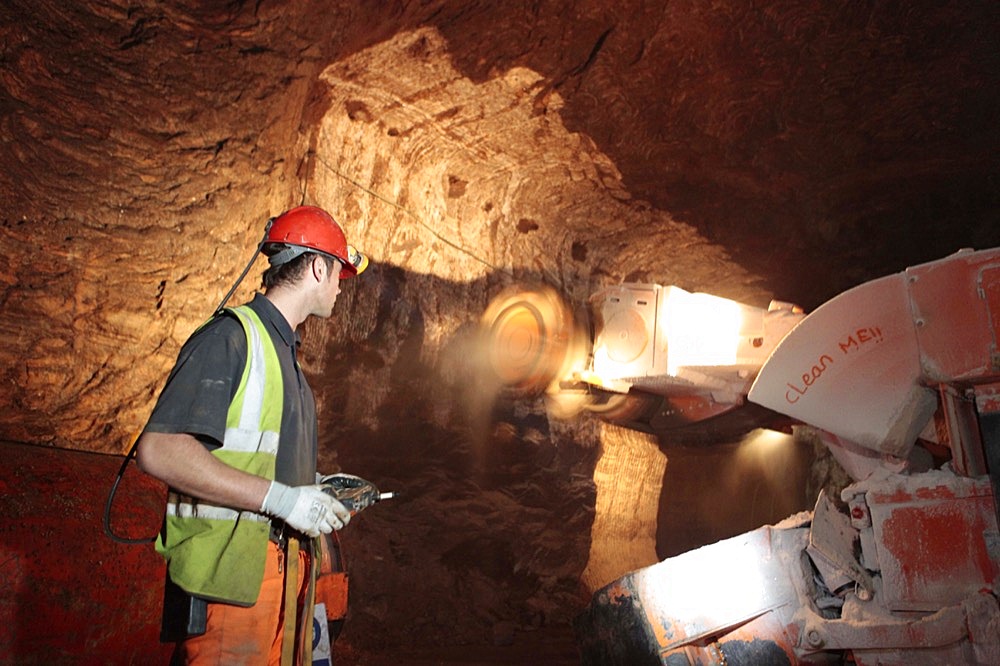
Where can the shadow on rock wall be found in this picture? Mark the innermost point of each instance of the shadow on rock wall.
(491, 530)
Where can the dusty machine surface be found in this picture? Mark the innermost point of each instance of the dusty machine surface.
(900, 377)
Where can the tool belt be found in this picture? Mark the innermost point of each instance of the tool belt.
(280, 533)
(296, 635)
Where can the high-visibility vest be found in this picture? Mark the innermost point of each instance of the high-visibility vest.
(216, 552)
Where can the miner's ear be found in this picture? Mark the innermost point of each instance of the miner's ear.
(319, 267)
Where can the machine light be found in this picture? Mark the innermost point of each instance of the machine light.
(720, 585)
(700, 329)
(767, 442)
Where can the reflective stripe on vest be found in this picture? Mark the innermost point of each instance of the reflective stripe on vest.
(216, 552)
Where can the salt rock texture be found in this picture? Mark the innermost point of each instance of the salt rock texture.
(770, 150)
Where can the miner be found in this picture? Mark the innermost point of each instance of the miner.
(233, 435)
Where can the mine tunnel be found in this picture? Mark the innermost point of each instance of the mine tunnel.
(759, 152)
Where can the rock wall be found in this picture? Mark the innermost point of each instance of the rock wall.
(144, 149)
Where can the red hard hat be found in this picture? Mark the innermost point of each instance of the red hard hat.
(310, 228)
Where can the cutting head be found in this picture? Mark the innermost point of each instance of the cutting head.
(530, 338)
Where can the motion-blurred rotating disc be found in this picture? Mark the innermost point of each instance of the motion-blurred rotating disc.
(527, 336)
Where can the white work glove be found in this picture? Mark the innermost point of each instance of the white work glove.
(305, 508)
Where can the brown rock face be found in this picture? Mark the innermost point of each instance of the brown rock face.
(780, 150)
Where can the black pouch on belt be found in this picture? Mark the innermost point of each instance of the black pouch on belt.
(184, 615)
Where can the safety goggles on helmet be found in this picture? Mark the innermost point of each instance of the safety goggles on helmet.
(308, 228)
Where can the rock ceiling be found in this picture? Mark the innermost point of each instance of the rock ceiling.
(754, 150)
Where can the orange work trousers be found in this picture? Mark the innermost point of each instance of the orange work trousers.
(252, 635)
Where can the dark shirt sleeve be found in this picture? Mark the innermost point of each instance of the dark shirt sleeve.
(196, 397)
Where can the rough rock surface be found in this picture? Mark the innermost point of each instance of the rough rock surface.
(753, 150)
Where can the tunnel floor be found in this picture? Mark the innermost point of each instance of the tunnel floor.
(554, 646)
